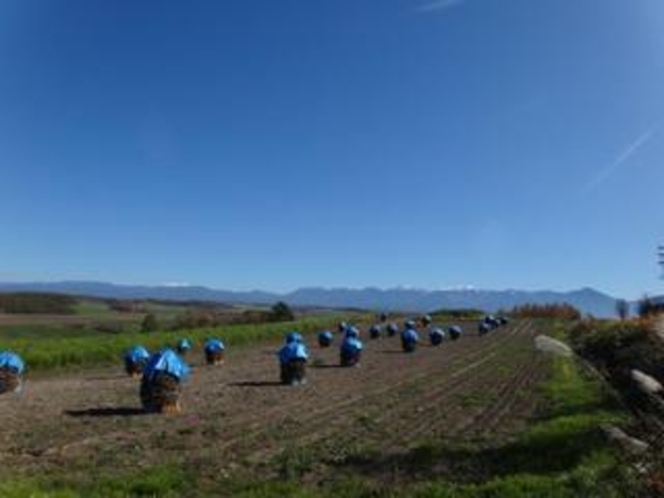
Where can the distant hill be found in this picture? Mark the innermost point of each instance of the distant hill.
(166, 293)
(398, 299)
(587, 300)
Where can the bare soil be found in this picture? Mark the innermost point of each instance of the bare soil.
(237, 419)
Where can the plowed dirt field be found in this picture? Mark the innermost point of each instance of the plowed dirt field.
(237, 419)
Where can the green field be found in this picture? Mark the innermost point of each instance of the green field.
(55, 348)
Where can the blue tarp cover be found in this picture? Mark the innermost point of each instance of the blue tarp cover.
(12, 361)
(455, 329)
(437, 332)
(214, 345)
(294, 337)
(166, 361)
(293, 351)
(326, 335)
(353, 332)
(409, 335)
(352, 345)
(136, 354)
(184, 344)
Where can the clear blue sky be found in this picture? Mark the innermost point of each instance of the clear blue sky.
(282, 143)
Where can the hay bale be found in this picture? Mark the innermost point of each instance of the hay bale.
(374, 332)
(183, 346)
(135, 360)
(11, 371)
(350, 352)
(135, 368)
(325, 339)
(436, 337)
(492, 321)
(455, 332)
(293, 358)
(214, 357)
(409, 339)
(352, 332)
(408, 346)
(213, 350)
(160, 393)
(10, 380)
(294, 372)
(348, 358)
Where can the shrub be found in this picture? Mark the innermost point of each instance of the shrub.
(560, 311)
(458, 313)
(150, 323)
(619, 347)
(196, 318)
(126, 306)
(281, 312)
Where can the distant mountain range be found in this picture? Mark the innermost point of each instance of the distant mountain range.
(398, 299)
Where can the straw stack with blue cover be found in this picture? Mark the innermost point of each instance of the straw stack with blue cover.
(293, 357)
(162, 382)
(409, 337)
(135, 360)
(351, 349)
(214, 351)
(11, 372)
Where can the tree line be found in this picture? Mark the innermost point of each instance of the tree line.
(33, 303)
(561, 311)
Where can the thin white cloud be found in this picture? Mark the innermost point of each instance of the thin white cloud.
(176, 284)
(438, 5)
(621, 159)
